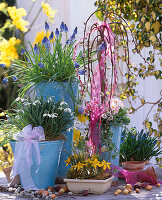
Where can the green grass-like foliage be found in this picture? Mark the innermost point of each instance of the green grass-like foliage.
(55, 117)
(138, 146)
(49, 60)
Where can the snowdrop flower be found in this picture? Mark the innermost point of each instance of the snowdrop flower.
(18, 99)
(37, 101)
(67, 110)
(54, 115)
(27, 103)
(63, 103)
(45, 115)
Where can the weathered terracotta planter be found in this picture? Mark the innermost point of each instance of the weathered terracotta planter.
(133, 165)
(7, 172)
(93, 186)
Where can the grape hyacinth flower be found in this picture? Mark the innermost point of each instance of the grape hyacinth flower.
(22, 51)
(2, 65)
(4, 81)
(57, 32)
(62, 27)
(51, 36)
(47, 26)
(14, 78)
(75, 31)
(41, 65)
(76, 65)
(66, 29)
(82, 72)
(36, 50)
(80, 109)
(46, 43)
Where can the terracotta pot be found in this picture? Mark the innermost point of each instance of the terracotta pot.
(133, 165)
(7, 172)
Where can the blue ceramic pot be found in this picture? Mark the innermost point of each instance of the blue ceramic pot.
(116, 139)
(67, 92)
(50, 152)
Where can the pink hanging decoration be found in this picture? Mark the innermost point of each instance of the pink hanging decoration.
(99, 79)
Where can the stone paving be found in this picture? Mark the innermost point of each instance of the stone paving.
(154, 194)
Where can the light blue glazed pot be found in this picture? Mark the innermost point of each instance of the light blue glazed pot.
(116, 139)
(67, 92)
(50, 152)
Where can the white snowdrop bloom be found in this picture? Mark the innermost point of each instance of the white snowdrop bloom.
(22, 100)
(34, 104)
(67, 110)
(37, 101)
(18, 99)
(50, 99)
(17, 117)
(49, 115)
(54, 115)
(27, 103)
(63, 103)
(45, 115)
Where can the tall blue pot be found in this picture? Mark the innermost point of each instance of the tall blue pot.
(61, 91)
(116, 139)
(50, 152)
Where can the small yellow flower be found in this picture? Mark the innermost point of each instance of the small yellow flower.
(2, 6)
(79, 166)
(82, 118)
(105, 164)
(48, 10)
(16, 16)
(96, 163)
(68, 161)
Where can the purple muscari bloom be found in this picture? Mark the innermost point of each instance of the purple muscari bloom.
(51, 36)
(4, 81)
(46, 43)
(76, 65)
(46, 26)
(2, 65)
(57, 32)
(62, 27)
(14, 78)
(75, 31)
(102, 47)
(36, 50)
(80, 109)
(22, 51)
(82, 71)
(71, 39)
(41, 65)
(66, 28)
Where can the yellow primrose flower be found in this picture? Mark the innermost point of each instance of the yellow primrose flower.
(8, 50)
(16, 16)
(105, 164)
(96, 163)
(40, 35)
(79, 166)
(2, 6)
(48, 10)
(68, 161)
